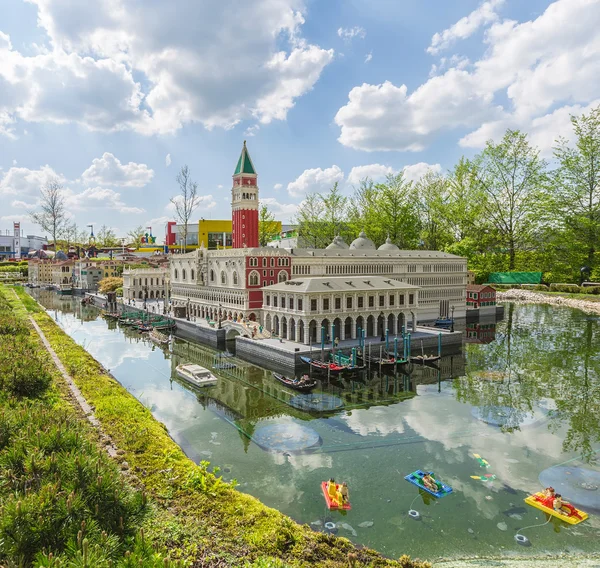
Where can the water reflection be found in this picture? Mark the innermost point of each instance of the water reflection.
(538, 380)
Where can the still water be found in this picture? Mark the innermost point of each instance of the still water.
(524, 395)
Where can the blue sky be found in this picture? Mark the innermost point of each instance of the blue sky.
(113, 97)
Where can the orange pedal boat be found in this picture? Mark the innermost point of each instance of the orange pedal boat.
(330, 503)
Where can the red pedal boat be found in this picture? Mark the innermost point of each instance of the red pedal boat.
(330, 503)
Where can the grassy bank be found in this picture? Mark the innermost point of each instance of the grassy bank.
(194, 515)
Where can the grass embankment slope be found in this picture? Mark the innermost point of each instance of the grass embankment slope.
(195, 516)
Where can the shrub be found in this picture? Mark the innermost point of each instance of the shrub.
(540, 288)
(590, 290)
(566, 288)
(110, 284)
(23, 371)
(528, 286)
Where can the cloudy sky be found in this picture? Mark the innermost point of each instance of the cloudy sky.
(112, 97)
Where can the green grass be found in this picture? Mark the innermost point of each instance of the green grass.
(198, 517)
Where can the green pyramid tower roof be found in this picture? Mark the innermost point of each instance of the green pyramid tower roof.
(244, 165)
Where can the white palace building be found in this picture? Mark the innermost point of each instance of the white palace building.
(297, 292)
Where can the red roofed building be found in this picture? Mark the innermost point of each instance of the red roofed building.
(480, 296)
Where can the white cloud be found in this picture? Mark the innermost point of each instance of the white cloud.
(158, 221)
(485, 14)
(540, 66)
(415, 172)
(351, 33)
(277, 186)
(315, 179)
(375, 172)
(168, 160)
(14, 162)
(17, 204)
(108, 170)
(383, 117)
(368, 57)
(283, 211)
(204, 202)
(205, 67)
(252, 130)
(95, 197)
(11, 218)
(24, 182)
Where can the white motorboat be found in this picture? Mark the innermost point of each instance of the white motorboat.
(196, 375)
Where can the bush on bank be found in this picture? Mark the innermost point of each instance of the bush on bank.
(198, 517)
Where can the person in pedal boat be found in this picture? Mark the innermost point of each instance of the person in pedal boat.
(547, 498)
(344, 493)
(430, 483)
(564, 507)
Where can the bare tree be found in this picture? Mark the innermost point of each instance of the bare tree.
(52, 218)
(187, 201)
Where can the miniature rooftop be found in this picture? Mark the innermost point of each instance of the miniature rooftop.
(244, 165)
(339, 284)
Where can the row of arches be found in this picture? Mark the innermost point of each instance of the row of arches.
(215, 314)
(304, 331)
(151, 294)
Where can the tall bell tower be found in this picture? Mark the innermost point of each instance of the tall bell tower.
(244, 203)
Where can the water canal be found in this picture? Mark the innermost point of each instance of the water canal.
(528, 401)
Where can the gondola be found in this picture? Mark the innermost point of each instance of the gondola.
(425, 359)
(323, 366)
(305, 387)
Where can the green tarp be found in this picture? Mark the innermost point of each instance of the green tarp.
(515, 278)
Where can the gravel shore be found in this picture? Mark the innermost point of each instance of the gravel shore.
(526, 296)
(563, 561)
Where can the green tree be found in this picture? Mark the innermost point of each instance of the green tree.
(512, 178)
(309, 218)
(335, 214)
(363, 209)
(432, 195)
(110, 284)
(268, 228)
(577, 183)
(135, 236)
(398, 213)
(106, 237)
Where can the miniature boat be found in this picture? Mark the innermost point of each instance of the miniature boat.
(323, 366)
(573, 518)
(416, 478)
(425, 359)
(302, 387)
(196, 375)
(143, 327)
(330, 503)
(443, 322)
(158, 337)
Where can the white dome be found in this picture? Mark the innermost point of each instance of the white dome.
(362, 243)
(388, 245)
(337, 243)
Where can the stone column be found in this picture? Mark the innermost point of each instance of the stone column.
(342, 327)
(297, 334)
(306, 332)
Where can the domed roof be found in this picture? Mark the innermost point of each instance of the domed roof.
(337, 243)
(60, 255)
(362, 242)
(388, 245)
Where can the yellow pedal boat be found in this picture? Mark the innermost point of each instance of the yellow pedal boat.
(571, 519)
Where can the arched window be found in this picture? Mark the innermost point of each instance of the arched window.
(212, 275)
(253, 278)
(282, 276)
(235, 278)
(183, 274)
(193, 274)
(176, 274)
(223, 277)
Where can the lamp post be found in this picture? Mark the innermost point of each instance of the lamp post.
(382, 326)
(452, 326)
(219, 317)
(187, 311)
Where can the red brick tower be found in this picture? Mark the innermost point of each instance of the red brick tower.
(244, 203)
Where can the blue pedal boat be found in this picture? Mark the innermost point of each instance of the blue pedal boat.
(416, 478)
